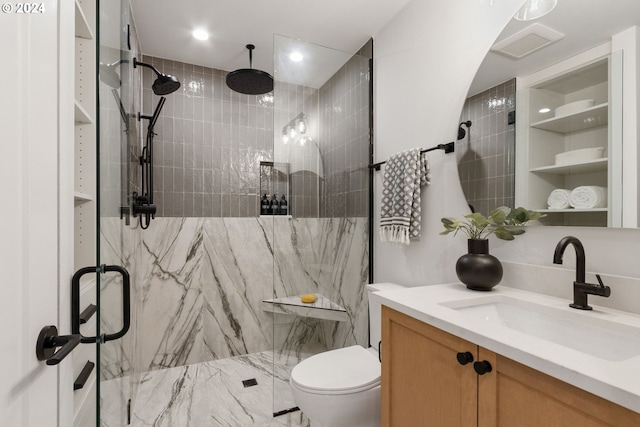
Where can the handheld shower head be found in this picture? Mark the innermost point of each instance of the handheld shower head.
(109, 76)
(164, 83)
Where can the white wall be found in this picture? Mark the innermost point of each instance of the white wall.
(424, 62)
(628, 41)
(426, 58)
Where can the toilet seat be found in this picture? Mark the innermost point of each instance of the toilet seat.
(343, 371)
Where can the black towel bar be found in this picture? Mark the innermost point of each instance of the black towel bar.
(448, 148)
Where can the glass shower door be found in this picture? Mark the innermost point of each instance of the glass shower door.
(322, 139)
(118, 93)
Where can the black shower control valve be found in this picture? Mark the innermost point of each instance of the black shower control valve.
(141, 200)
(145, 210)
(464, 357)
(482, 367)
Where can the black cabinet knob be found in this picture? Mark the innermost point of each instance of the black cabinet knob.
(482, 368)
(464, 358)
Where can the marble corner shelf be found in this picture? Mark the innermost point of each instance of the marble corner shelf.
(323, 308)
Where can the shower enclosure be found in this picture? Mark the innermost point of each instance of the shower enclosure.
(118, 176)
(216, 322)
(322, 137)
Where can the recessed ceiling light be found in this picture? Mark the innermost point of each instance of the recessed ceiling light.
(544, 110)
(296, 56)
(200, 34)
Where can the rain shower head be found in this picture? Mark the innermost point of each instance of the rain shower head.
(249, 80)
(164, 83)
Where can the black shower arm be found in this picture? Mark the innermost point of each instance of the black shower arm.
(155, 70)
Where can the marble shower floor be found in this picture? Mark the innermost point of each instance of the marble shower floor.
(212, 394)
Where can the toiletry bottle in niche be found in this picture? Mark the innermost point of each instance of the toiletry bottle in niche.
(268, 205)
(283, 206)
(275, 205)
(264, 205)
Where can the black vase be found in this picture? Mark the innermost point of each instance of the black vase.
(478, 269)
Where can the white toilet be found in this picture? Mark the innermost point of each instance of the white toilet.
(341, 388)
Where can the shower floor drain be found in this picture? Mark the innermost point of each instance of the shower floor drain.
(249, 383)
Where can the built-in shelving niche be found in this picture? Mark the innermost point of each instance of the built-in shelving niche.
(85, 195)
(543, 133)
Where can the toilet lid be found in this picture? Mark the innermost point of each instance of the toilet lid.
(345, 370)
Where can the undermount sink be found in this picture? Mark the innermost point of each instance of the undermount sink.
(579, 331)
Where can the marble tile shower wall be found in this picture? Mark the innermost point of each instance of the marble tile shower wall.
(201, 282)
(209, 144)
(344, 134)
(486, 159)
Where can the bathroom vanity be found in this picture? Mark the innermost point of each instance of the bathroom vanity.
(456, 357)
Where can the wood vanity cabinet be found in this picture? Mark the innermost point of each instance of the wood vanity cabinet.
(424, 384)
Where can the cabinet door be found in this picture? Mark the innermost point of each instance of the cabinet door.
(423, 384)
(515, 395)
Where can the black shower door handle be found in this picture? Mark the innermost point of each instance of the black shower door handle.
(126, 301)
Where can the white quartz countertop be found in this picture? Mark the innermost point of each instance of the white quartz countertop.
(614, 380)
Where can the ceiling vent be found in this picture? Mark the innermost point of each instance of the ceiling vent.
(526, 41)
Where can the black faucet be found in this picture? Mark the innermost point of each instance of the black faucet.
(580, 288)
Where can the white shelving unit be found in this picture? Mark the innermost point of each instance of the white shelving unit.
(81, 115)
(82, 197)
(597, 165)
(541, 135)
(573, 211)
(85, 134)
(582, 120)
(85, 195)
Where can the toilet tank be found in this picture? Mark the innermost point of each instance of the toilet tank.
(375, 312)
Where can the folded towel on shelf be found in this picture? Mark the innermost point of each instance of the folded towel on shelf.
(559, 199)
(588, 197)
(404, 174)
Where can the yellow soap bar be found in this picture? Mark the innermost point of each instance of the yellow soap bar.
(308, 298)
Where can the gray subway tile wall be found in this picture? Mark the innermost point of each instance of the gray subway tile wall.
(291, 100)
(210, 141)
(486, 156)
(209, 144)
(344, 133)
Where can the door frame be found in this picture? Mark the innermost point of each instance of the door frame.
(36, 183)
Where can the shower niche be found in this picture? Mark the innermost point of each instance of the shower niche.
(274, 197)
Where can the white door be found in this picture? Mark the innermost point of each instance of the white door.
(36, 217)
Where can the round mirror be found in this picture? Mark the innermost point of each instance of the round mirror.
(546, 109)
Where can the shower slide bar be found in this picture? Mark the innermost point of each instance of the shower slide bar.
(448, 148)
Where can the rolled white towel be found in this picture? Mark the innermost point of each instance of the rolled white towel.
(559, 199)
(588, 197)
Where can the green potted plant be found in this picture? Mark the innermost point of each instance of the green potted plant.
(478, 269)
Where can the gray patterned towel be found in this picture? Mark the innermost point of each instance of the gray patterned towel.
(404, 174)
